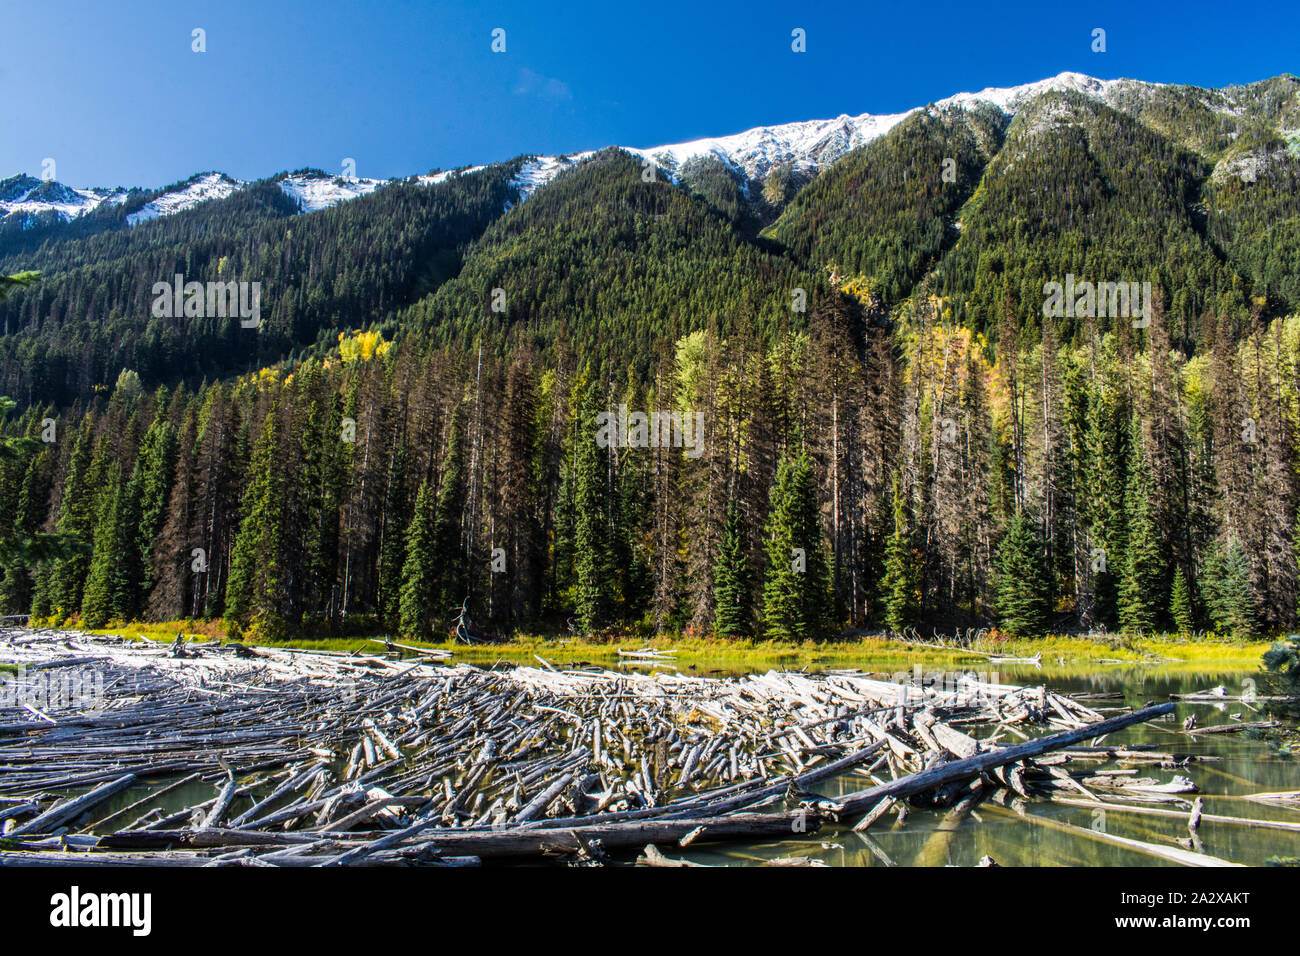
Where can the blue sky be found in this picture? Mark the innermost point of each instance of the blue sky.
(114, 93)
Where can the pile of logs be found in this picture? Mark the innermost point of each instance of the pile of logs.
(227, 755)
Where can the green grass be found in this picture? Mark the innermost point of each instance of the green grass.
(1061, 654)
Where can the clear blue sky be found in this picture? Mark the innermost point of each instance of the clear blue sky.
(113, 92)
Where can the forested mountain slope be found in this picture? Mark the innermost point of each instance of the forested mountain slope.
(340, 268)
(891, 431)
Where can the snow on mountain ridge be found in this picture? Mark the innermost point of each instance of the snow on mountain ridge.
(1009, 98)
(189, 194)
(317, 190)
(811, 144)
(28, 196)
(807, 145)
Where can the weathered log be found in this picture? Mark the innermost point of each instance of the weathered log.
(198, 838)
(70, 809)
(144, 801)
(1236, 728)
(519, 842)
(864, 800)
(1172, 854)
(1291, 826)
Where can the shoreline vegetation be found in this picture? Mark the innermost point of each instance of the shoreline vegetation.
(1208, 653)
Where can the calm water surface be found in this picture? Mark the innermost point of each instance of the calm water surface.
(1251, 764)
(1021, 832)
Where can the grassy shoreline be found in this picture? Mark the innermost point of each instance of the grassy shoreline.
(1059, 653)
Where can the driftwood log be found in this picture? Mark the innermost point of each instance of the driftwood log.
(300, 758)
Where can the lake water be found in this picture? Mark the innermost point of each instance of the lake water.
(1027, 832)
(1020, 833)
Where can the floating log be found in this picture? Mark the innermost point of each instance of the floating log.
(1172, 854)
(61, 813)
(1292, 826)
(1236, 728)
(335, 759)
(864, 800)
(1287, 798)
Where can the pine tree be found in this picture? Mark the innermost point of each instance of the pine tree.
(1226, 591)
(521, 502)
(1024, 587)
(1105, 490)
(731, 584)
(419, 571)
(318, 490)
(65, 582)
(448, 549)
(796, 581)
(1180, 604)
(150, 485)
(23, 549)
(593, 564)
(171, 563)
(256, 595)
(1141, 590)
(112, 569)
(392, 549)
(900, 584)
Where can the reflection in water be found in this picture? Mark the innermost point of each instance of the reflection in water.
(1039, 832)
(1019, 832)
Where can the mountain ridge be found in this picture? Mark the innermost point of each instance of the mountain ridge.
(804, 145)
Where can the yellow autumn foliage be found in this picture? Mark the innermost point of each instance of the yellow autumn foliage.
(362, 346)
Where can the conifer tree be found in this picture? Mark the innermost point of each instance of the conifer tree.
(593, 565)
(65, 582)
(392, 549)
(112, 568)
(1180, 604)
(899, 587)
(1024, 588)
(731, 581)
(1141, 590)
(448, 550)
(1104, 505)
(28, 466)
(419, 571)
(150, 485)
(796, 581)
(1226, 591)
(256, 593)
(171, 568)
(318, 491)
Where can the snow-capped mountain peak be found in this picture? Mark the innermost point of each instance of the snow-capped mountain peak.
(1009, 98)
(26, 197)
(316, 190)
(806, 145)
(755, 152)
(812, 144)
(186, 195)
